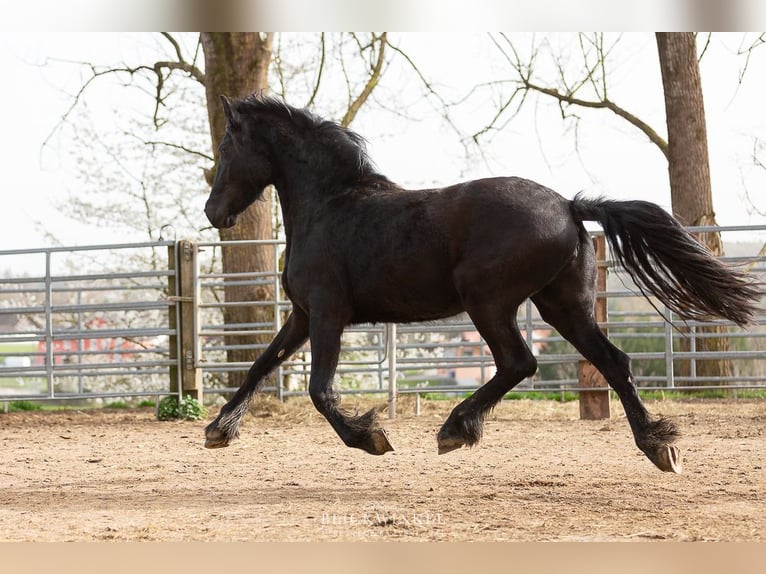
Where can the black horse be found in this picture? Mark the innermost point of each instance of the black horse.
(361, 249)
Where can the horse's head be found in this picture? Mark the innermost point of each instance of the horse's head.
(244, 170)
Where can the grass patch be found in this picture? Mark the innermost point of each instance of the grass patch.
(117, 405)
(569, 396)
(677, 394)
(16, 406)
(437, 396)
(28, 348)
(561, 396)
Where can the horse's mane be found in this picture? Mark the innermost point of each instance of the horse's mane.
(345, 143)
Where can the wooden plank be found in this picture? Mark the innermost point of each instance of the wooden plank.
(186, 309)
(172, 319)
(594, 405)
(191, 376)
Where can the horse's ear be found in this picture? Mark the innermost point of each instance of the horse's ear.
(228, 111)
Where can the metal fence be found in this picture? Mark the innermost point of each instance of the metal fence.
(124, 321)
(77, 328)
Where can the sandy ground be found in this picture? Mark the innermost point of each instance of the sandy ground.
(540, 474)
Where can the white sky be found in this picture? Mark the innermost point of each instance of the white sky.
(614, 158)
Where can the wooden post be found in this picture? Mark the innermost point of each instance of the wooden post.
(392, 390)
(173, 295)
(594, 405)
(184, 257)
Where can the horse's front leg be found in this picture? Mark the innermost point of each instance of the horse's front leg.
(225, 427)
(358, 431)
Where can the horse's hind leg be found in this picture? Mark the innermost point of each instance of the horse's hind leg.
(567, 304)
(655, 437)
(514, 363)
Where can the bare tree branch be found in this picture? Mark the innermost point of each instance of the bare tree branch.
(748, 52)
(319, 71)
(757, 146)
(372, 80)
(491, 126)
(705, 47)
(756, 159)
(180, 63)
(568, 97)
(431, 91)
(161, 70)
(181, 148)
(96, 74)
(653, 136)
(175, 44)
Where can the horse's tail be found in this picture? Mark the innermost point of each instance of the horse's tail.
(664, 260)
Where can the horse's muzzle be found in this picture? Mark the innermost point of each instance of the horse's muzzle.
(219, 221)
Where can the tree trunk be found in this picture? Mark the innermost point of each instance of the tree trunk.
(690, 187)
(236, 64)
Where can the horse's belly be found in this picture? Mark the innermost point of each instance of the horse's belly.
(400, 314)
(405, 301)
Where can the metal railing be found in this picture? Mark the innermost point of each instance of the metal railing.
(75, 330)
(106, 322)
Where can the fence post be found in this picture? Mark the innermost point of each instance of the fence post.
(280, 384)
(594, 405)
(183, 289)
(392, 390)
(49, 326)
(669, 368)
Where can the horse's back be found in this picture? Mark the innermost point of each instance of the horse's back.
(410, 254)
(509, 214)
(509, 230)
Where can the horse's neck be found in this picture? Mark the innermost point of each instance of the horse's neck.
(300, 192)
(294, 205)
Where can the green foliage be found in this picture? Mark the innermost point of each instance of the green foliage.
(168, 409)
(561, 396)
(726, 394)
(557, 371)
(189, 409)
(24, 406)
(443, 396)
(117, 405)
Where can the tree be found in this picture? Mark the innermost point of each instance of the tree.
(688, 166)
(235, 64)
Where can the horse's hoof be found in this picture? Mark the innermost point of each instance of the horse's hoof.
(668, 459)
(379, 443)
(215, 439)
(448, 444)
